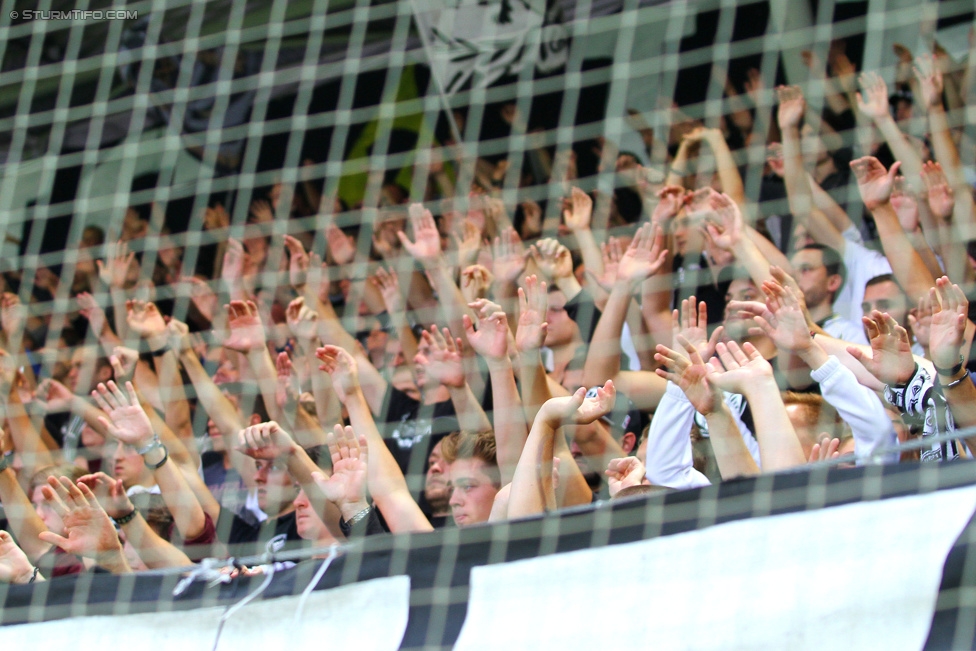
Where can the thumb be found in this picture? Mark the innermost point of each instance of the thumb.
(54, 539)
(894, 170)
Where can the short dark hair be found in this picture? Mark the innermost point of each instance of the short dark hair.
(832, 261)
(884, 278)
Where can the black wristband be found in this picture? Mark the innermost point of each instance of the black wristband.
(125, 519)
(34, 575)
(159, 465)
(949, 372)
(5, 461)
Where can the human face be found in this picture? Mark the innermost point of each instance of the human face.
(886, 297)
(128, 465)
(472, 492)
(81, 371)
(562, 329)
(817, 285)
(435, 487)
(47, 515)
(276, 489)
(737, 328)
(308, 522)
(686, 235)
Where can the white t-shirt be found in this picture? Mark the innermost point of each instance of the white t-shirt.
(862, 264)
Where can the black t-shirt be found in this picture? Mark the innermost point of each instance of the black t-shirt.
(409, 425)
(268, 536)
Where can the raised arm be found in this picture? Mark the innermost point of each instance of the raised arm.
(746, 372)
(643, 258)
(874, 103)
(532, 490)
(270, 441)
(491, 342)
(949, 345)
(22, 519)
(127, 422)
(384, 478)
(875, 185)
(440, 357)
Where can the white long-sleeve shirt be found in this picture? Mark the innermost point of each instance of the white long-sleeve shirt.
(669, 456)
(859, 407)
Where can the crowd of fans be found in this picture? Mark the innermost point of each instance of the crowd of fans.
(452, 369)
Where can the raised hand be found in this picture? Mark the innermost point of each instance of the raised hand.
(825, 450)
(297, 262)
(891, 358)
(905, 205)
(783, 322)
(941, 199)
(611, 252)
(743, 367)
(468, 243)
(127, 421)
(491, 339)
(792, 106)
(389, 285)
(577, 216)
(341, 247)
(246, 331)
(440, 356)
(509, 257)
(929, 80)
(53, 397)
(14, 564)
(644, 257)
(346, 487)
(624, 473)
(88, 308)
(236, 261)
(123, 361)
(689, 372)
(476, 280)
(302, 321)
(265, 441)
(13, 315)
(921, 318)
(109, 492)
(692, 324)
(532, 326)
(115, 270)
(671, 201)
(203, 297)
(88, 530)
(874, 101)
(341, 367)
(873, 181)
(318, 283)
(427, 247)
(727, 228)
(950, 310)
(287, 388)
(581, 408)
(553, 259)
(144, 319)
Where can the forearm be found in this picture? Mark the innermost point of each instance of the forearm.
(301, 467)
(180, 501)
(471, 417)
(534, 383)
(728, 171)
(155, 552)
(117, 294)
(176, 407)
(327, 405)
(909, 268)
(510, 428)
(731, 454)
(825, 203)
(779, 447)
(590, 251)
(23, 520)
(385, 481)
(532, 490)
(603, 358)
(679, 166)
(768, 250)
(902, 150)
(798, 191)
(266, 375)
(26, 440)
(749, 256)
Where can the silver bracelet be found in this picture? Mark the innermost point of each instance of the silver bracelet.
(359, 516)
(153, 444)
